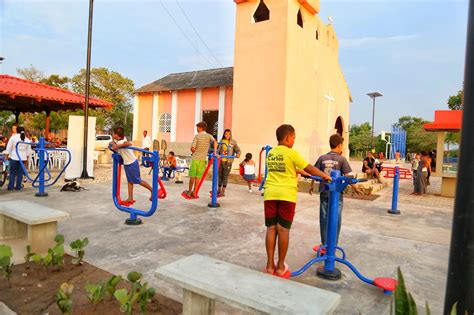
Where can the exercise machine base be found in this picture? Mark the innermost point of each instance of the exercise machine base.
(213, 205)
(38, 194)
(394, 211)
(328, 275)
(136, 221)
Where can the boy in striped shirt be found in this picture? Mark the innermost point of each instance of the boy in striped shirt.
(199, 149)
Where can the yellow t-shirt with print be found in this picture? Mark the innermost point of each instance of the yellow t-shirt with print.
(282, 182)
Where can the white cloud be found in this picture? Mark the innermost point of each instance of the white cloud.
(370, 41)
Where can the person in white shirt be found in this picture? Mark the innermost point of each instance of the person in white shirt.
(146, 142)
(130, 164)
(24, 151)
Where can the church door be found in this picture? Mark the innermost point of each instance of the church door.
(339, 127)
(211, 117)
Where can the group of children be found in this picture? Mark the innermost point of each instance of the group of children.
(281, 185)
(421, 168)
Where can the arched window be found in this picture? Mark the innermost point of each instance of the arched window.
(317, 34)
(299, 18)
(262, 13)
(164, 123)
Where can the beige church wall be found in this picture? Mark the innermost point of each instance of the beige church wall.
(228, 108)
(259, 67)
(146, 110)
(186, 109)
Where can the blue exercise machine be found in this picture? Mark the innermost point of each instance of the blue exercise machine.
(148, 160)
(328, 270)
(216, 160)
(40, 181)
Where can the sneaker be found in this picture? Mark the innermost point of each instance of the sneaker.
(250, 190)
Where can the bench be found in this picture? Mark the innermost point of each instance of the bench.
(21, 219)
(205, 280)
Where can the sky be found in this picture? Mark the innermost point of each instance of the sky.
(412, 51)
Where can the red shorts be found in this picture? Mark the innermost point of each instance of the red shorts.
(279, 211)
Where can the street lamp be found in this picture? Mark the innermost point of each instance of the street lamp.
(84, 174)
(373, 95)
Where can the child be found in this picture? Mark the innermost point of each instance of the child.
(130, 163)
(280, 196)
(228, 148)
(171, 163)
(199, 149)
(414, 166)
(326, 163)
(248, 166)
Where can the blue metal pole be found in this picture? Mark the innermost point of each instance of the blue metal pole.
(328, 271)
(41, 153)
(396, 180)
(215, 174)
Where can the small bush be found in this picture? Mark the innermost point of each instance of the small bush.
(111, 284)
(78, 246)
(63, 298)
(96, 292)
(5, 262)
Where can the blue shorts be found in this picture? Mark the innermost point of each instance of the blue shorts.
(133, 173)
(249, 177)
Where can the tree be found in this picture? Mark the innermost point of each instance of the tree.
(455, 101)
(113, 87)
(359, 138)
(57, 81)
(30, 73)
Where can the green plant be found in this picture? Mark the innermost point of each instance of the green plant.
(111, 284)
(78, 246)
(63, 298)
(126, 299)
(5, 262)
(404, 302)
(55, 255)
(96, 292)
(145, 297)
(30, 256)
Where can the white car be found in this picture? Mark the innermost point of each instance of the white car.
(102, 141)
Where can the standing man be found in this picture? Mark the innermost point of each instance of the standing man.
(146, 142)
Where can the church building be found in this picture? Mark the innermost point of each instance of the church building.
(286, 70)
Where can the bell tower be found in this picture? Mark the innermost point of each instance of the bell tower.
(285, 63)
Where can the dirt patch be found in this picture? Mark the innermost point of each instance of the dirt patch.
(33, 291)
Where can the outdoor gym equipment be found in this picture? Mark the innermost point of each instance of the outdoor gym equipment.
(404, 173)
(185, 196)
(328, 270)
(396, 179)
(265, 149)
(216, 160)
(158, 190)
(40, 181)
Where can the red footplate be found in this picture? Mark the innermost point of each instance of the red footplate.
(388, 284)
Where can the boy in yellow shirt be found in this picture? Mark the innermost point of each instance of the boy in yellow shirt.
(281, 188)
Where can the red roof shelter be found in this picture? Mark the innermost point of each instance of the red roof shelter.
(20, 95)
(445, 120)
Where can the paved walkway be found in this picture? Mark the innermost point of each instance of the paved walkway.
(374, 241)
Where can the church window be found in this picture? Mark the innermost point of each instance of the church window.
(262, 13)
(299, 19)
(317, 35)
(164, 123)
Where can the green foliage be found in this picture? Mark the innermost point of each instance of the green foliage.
(63, 298)
(126, 299)
(30, 256)
(418, 139)
(112, 283)
(360, 137)
(145, 297)
(96, 292)
(5, 261)
(404, 302)
(141, 294)
(78, 246)
(7, 119)
(455, 101)
(55, 255)
(57, 81)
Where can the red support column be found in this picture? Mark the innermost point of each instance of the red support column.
(46, 128)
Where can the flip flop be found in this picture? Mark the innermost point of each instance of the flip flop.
(321, 252)
(185, 195)
(286, 273)
(127, 203)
